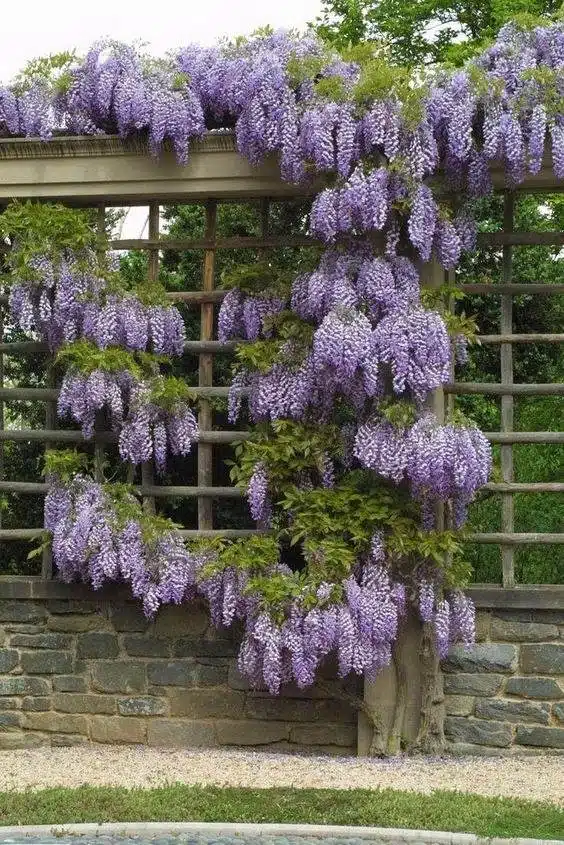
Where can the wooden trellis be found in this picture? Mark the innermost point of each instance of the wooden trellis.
(116, 174)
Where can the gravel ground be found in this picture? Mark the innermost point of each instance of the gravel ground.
(540, 778)
(203, 839)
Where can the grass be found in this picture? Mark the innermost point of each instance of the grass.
(442, 810)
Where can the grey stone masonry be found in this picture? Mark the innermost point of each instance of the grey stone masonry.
(82, 667)
(507, 692)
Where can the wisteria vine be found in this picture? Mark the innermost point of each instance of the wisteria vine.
(336, 366)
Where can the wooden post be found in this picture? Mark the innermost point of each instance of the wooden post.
(506, 360)
(99, 453)
(205, 374)
(147, 470)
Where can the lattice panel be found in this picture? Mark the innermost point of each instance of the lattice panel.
(206, 348)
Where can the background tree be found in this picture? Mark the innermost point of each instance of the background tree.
(423, 32)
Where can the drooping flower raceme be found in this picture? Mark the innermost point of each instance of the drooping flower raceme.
(93, 543)
(440, 462)
(150, 431)
(415, 345)
(83, 396)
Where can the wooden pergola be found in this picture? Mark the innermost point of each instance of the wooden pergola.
(105, 171)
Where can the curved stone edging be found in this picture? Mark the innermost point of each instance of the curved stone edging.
(377, 835)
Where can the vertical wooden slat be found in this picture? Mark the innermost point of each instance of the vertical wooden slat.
(450, 398)
(205, 374)
(1, 400)
(432, 275)
(99, 453)
(506, 353)
(147, 470)
(50, 423)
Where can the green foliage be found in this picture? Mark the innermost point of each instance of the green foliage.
(380, 78)
(292, 344)
(151, 293)
(548, 81)
(331, 88)
(38, 229)
(262, 278)
(349, 514)
(253, 554)
(86, 357)
(286, 448)
(260, 355)
(401, 414)
(64, 463)
(441, 299)
(125, 507)
(53, 71)
(426, 32)
(303, 68)
(487, 816)
(169, 392)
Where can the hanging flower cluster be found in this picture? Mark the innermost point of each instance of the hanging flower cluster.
(159, 421)
(73, 298)
(360, 630)
(349, 346)
(454, 617)
(102, 534)
(440, 462)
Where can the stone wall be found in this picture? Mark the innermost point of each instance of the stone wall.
(506, 695)
(76, 667)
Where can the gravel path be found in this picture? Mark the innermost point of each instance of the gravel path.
(540, 778)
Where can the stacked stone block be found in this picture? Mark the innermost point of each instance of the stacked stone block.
(78, 667)
(506, 695)
(77, 671)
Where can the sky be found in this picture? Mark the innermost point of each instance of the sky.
(32, 28)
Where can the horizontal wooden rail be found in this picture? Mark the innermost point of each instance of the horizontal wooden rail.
(215, 347)
(228, 533)
(525, 436)
(18, 347)
(164, 492)
(50, 394)
(243, 242)
(195, 346)
(196, 297)
(63, 436)
(525, 487)
(210, 346)
(188, 297)
(487, 389)
(227, 437)
(520, 238)
(514, 289)
(508, 539)
(520, 338)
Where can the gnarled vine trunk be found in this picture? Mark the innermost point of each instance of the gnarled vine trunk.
(403, 710)
(430, 737)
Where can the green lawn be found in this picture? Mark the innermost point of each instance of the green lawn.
(443, 810)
